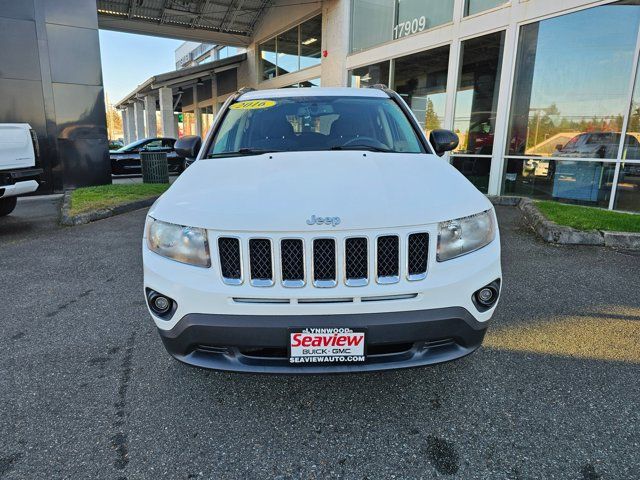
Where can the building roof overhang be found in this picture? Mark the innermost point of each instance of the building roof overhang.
(225, 22)
(182, 77)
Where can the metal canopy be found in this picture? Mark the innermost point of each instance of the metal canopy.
(182, 77)
(225, 22)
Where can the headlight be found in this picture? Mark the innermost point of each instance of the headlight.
(463, 235)
(183, 244)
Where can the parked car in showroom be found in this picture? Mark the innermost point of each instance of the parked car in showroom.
(319, 232)
(19, 170)
(126, 160)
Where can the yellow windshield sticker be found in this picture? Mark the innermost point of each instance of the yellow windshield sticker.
(252, 104)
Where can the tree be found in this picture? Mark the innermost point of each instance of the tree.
(114, 121)
(431, 121)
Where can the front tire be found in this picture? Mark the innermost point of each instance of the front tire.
(7, 205)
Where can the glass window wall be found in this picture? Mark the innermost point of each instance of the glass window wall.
(378, 21)
(571, 181)
(421, 80)
(568, 103)
(476, 106)
(370, 75)
(287, 46)
(372, 23)
(628, 188)
(471, 7)
(310, 43)
(413, 16)
(268, 59)
(477, 93)
(476, 169)
(295, 49)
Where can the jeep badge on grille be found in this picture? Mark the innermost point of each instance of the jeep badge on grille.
(333, 221)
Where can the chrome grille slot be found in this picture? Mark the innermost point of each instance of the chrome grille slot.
(260, 300)
(356, 262)
(417, 256)
(260, 262)
(324, 262)
(292, 262)
(325, 300)
(230, 260)
(387, 298)
(388, 259)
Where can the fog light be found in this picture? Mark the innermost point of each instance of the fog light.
(487, 296)
(484, 296)
(160, 304)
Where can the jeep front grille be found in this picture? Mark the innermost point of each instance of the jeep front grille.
(356, 261)
(230, 260)
(324, 262)
(292, 262)
(260, 262)
(417, 256)
(388, 259)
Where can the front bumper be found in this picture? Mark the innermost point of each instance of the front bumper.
(19, 181)
(258, 343)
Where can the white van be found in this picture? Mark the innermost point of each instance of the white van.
(18, 158)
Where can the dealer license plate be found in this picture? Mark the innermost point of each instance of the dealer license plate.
(326, 345)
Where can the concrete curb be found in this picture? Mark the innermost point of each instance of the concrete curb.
(91, 216)
(553, 233)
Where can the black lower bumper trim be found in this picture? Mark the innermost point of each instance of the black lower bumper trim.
(406, 339)
(11, 177)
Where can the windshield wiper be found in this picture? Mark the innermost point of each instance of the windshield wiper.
(362, 147)
(243, 151)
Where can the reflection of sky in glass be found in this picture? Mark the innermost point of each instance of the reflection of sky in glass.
(584, 60)
(464, 100)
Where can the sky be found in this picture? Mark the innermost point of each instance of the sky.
(128, 60)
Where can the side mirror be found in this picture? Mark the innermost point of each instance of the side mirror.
(559, 147)
(443, 141)
(188, 146)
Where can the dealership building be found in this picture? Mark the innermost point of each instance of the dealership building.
(544, 95)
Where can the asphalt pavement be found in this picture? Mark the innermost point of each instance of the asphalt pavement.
(88, 392)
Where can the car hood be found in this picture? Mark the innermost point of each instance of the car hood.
(280, 191)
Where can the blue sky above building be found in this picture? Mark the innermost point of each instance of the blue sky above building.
(128, 60)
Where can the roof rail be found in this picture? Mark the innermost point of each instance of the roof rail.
(242, 91)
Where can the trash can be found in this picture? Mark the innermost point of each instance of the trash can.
(155, 168)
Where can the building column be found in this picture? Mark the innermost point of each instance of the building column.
(166, 112)
(150, 115)
(138, 114)
(125, 131)
(335, 41)
(131, 124)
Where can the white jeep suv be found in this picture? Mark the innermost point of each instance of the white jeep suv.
(318, 231)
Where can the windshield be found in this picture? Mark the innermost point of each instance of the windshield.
(135, 144)
(314, 123)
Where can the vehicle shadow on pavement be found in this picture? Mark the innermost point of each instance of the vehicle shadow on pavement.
(496, 412)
